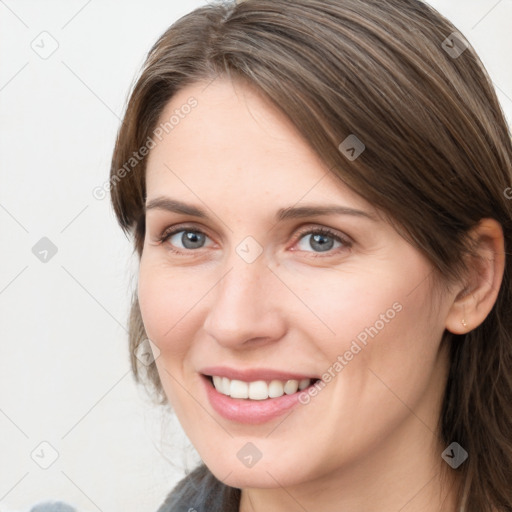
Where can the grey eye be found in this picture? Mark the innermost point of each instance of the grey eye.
(187, 239)
(318, 242)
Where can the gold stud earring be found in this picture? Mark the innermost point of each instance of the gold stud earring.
(464, 323)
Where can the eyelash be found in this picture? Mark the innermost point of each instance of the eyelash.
(345, 241)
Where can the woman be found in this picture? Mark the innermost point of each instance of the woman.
(317, 194)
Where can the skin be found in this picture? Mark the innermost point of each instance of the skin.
(368, 440)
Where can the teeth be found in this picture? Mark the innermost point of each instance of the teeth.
(239, 389)
(291, 387)
(304, 383)
(225, 385)
(275, 389)
(217, 382)
(260, 389)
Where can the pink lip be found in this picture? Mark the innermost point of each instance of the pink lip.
(253, 374)
(248, 411)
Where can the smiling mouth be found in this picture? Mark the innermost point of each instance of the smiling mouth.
(259, 389)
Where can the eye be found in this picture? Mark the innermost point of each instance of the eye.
(320, 240)
(185, 239)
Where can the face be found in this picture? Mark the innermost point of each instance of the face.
(263, 272)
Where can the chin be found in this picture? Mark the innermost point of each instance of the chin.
(261, 477)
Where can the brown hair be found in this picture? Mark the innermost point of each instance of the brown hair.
(437, 160)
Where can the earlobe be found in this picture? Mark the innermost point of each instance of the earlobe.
(485, 274)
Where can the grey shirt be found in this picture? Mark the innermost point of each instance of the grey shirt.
(200, 491)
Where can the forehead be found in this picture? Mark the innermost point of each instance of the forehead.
(234, 144)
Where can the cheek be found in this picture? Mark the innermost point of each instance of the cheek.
(347, 303)
(380, 319)
(391, 354)
(169, 304)
(170, 309)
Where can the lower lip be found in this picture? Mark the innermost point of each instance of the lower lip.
(249, 411)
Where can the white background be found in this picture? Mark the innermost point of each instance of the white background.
(64, 368)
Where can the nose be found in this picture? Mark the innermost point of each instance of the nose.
(245, 306)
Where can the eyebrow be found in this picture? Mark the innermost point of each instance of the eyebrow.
(293, 212)
(299, 212)
(171, 205)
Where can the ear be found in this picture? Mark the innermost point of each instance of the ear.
(485, 273)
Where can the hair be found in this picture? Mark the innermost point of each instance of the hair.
(437, 160)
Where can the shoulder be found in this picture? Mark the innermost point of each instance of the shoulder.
(201, 491)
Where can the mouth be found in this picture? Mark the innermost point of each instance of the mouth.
(256, 395)
(259, 389)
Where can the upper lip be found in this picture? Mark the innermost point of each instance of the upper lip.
(253, 374)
